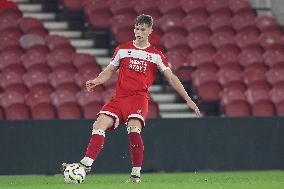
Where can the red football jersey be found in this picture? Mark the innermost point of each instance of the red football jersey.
(137, 68)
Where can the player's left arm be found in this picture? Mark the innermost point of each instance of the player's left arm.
(177, 85)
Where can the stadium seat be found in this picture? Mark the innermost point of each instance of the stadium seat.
(259, 100)
(171, 23)
(90, 102)
(248, 39)
(80, 59)
(196, 40)
(35, 59)
(53, 41)
(266, 23)
(61, 58)
(277, 97)
(100, 18)
(195, 23)
(255, 78)
(14, 106)
(234, 103)
(241, 7)
(271, 40)
(275, 76)
(40, 105)
(9, 18)
(66, 105)
(10, 59)
(63, 80)
(172, 40)
(206, 84)
(12, 82)
(239, 24)
(226, 56)
(230, 78)
(36, 80)
(146, 7)
(121, 21)
(251, 57)
(27, 23)
(38, 30)
(219, 21)
(222, 38)
(176, 59)
(9, 37)
(202, 56)
(30, 40)
(72, 5)
(85, 73)
(214, 6)
(170, 7)
(274, 57)
(120, 6)
(153, 109)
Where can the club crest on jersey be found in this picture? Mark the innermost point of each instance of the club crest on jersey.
(138, 65)
(149, 57)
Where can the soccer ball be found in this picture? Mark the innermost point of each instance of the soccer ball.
(74, 174)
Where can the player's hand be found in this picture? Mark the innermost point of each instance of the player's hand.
(194, 108)
(197, 112)
(91, 84)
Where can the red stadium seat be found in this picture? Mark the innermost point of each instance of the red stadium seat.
(196, 40)
(239, 24)
(274, 57)
(38, 30)
(153, 109)
(40, 105)
(10, 59)
(14, 106)
(9, 18)
(172, 40)
(222, 39)
(85, 73)
(235, 104)
(171, 23)
(176, 59)
(271, 40)
(145, 6)
(170, 7)
(121, 21)
(27, 23)
(193, 6)
(66, 105)
(53, 41)
(275, 76)
(72, 5)
(61, 58)
(241, 7)
(36, 80)
(230, 78)
(219, 21)
(202, 56)
(249, 39)
(11, 81)
(217, 6)
(9, 37)
(226, 56)
(124, 35)
(266, 23)
(80, 59)
(195, 23)
(35, 59)
(63, 80)
(100, 18)
(259, 100)
(277, 97)
(251, 57)
(120, 6)
(206, 84)
(255, 78)
(90, 102)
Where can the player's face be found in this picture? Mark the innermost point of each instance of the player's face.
(142, 32)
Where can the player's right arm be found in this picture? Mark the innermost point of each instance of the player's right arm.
(102, 77)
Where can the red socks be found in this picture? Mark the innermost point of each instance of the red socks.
(95, 146)
(136, 149)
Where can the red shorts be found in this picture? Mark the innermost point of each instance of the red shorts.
(124, 108)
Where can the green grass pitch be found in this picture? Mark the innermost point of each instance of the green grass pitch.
(202, 180)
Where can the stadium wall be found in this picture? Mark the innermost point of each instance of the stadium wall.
(38, 147)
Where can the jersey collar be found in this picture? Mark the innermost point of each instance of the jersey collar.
(148, 45)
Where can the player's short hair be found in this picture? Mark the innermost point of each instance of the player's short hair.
(144, 19)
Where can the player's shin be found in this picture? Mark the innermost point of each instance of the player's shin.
(94, 148)
(136, 149)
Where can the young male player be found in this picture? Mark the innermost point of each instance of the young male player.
(137, 61)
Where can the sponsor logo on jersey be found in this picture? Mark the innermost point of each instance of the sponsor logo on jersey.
(138, 65)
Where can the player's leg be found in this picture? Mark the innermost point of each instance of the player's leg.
(96, 143)
(134, 127)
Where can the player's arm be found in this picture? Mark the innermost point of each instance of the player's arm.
(177, 85)
(102, 77)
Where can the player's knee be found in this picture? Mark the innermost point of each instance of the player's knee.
(133, 129)
(103, 122)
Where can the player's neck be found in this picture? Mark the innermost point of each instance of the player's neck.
(141, 44)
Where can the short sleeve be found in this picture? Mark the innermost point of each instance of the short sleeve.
(115, 60)
(162, 62)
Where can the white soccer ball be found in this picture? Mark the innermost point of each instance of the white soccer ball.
(74, 174)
